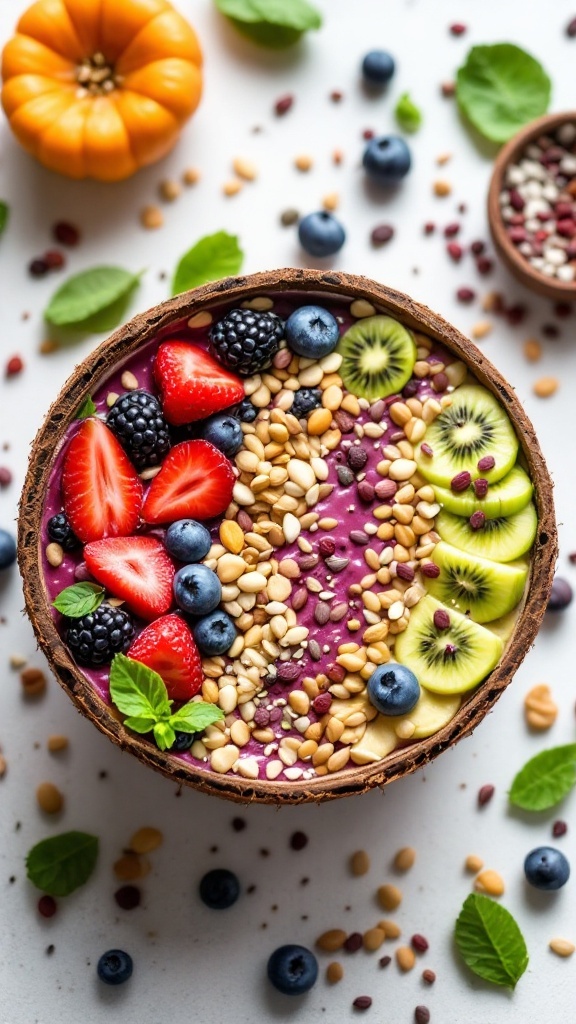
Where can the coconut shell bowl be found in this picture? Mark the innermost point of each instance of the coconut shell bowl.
(382, 537)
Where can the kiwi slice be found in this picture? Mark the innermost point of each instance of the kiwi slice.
(509, 495)
(502, 539)
(451, 660)
(473, 426)
(476, 586)
(505, 626)
(378, 356)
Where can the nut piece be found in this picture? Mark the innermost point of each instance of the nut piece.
(389, 896)
(334, 972)
(405, 858)
(562, 947)
(359, 863)
(33, 682)
(539, 708)
(331, 940)
(405, 958)
(489, 882)
(57, 743)
(49, 798)
(473, 864)
(545, 387)
(145, 840)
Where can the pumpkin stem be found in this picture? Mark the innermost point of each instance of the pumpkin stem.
(96, 76)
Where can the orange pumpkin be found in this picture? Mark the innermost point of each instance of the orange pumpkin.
(99, 88)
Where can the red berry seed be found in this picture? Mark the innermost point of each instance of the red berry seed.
(335, 672)
(451, 229)
(368, 134)
(571, 28)
(439, 382)
(362, 1003)
(465, 295)
(441, 619)
(327, 547)
(455, 251)
(321, 703)
(484, 265)
(428, 976)
(426, 450)
(477, 248)
(47, 906)
(457, 29)
(430, 569)
(282, 106)
(381, 234)
(448, 89)
(127, 897)
(14, 366)
(336, 96)
(353, 942)
(485, 794)
(477, 520)
(405, 572)
(461, 482)
(54, 259)
(65, 233)
(485, 463)
(480, 487)
(5, 476)
(559, 828)
(421, 1015)
(429, 227)
(419, 943)
(384, 961)
(38, 267)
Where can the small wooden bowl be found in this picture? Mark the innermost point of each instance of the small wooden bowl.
(551, 288)
(94, 370)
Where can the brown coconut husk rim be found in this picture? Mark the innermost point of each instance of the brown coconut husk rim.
(119, 347)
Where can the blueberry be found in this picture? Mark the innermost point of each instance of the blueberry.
(187, 541)
(183, 741)
(115, 967)
(219, 889)
(312, 331)
(378, 67)
(560, 595)
(321, 234)
(293, 970)
(387, 159)
(305, 400)
(393, 689)
(246, 412)
(215, 633)
(546, 868)
(197, 589)
(224, 432)
(7, 549)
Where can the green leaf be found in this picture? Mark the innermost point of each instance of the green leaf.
(137, 690)
(500, 88)
(407, 114)
(88, 295)
(4, 215)
(86, 409)
(164, 735)
(490, 941)
(272, 23)
(212, 257)
(79, 599)
(62, 863)
(545, 779)
(195, 716)
(140, 723)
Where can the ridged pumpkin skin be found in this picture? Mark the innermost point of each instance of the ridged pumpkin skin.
(78, 129)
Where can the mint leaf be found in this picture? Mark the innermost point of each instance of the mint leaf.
(500, 88)
(213, 257)
(79, 599)
(4, 215)
(137, 690)
(62, 863)
(490, 941)
(86, 409)
(546, 779)
(140, 723)
(164, 735)
(273, 23)
(407, 114)
(90, 295)
(195, 717)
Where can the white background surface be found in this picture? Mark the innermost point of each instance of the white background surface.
(190, 962)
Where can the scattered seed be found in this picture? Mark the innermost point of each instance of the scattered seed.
(298, 840)
(532, 350)
(331, 940)
(419, 943)
(389, 897)
(490, 883)
(334, 972)
(485, 794)
(481, 329)
(442, 188)
(57, 743)
(362, 1003)
(33, 682)
(539, 709)
(473, 864)
(353, 942)
(421, 1015)
(384, 961)
(289, 217)
(303, 163)
(545, 387)
(359, 863)
(245, 169)
(49, 798)
(428, 976)
(403, 861)
(381, 234)
(405, 958)
(128, 897)
(14, 366)
(47, 906)
(232, 187)
(151, 218)
(191, 176)
(170, 190)
(562, 947)
(283, 105)
(559, 828)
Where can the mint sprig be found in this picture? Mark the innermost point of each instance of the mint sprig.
(545, 779)
(141, 694)
(62, 863)
(88, 408)
(79, 599)
(490, 941)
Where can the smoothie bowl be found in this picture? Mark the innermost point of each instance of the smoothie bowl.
(286, 537)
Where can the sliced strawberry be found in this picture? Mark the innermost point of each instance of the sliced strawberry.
(102, 491)
(196, 481)
(136, 569)
(167, 646)
(192, 384)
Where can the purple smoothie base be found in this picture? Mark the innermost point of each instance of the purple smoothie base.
(342, 504)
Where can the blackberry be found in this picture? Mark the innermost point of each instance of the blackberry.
(246, 341)
(305, 400)
(136, 419)
(60, 531)
(97, 637)
(246, 412)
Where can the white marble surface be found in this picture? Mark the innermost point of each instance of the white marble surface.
(189, 961)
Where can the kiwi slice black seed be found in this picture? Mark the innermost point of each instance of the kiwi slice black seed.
(474, 426)
(447, 660)
(476, 586)
(378, 356)
(502, 539)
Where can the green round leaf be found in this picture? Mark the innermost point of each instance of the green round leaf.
(501, 88)
(79, 599)
(60, 864)
(490, 941)
(88, 295)
(213, 257)
(272, 23)
(546, 779)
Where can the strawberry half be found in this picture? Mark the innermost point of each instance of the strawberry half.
(136, 569)
(196, 482)
(101, 489)
(192, 384)
(167, 646)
